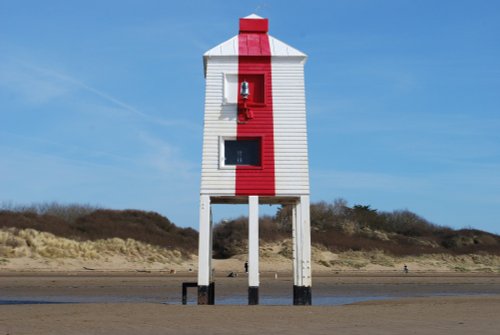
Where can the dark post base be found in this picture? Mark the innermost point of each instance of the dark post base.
(211, 294)
(253, 295)
(302, 295)
(206, 294)
(185, 286)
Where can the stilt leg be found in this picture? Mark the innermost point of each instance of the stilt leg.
(205, 296)
(253, 250)
(302, 264)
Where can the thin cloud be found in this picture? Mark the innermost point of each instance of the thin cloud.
(35, 141)
(165, 157)
(32, 86)
(39, 85)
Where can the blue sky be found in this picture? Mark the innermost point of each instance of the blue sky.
(101, 102)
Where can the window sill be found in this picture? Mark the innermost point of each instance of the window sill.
(240, 167)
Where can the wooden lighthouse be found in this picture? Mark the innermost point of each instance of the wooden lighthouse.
(255, 146)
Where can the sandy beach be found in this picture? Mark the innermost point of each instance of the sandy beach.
(464, 315)
(149, 303)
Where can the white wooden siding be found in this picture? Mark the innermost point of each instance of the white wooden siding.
(220, 120)
(290, 131)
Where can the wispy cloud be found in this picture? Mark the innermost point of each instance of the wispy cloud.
(33, 87)
(100, 140)
(72, 82)
(11, 140)
(165, 157)
(39, 85)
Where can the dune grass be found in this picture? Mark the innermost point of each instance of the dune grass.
(31, 243)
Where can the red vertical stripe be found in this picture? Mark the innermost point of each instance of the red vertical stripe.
(255, 58)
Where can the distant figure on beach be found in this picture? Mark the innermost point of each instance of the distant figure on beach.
(405, 268)
(246, 267)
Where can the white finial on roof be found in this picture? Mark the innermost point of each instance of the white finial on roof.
(253, 16)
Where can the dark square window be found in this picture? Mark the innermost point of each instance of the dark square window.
(242, 152)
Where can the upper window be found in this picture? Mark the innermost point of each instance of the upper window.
(256, 87)
(242, 152)
(232, 84)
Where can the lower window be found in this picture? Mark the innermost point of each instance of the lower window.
(242, 152)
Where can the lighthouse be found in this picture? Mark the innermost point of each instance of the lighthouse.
(255, 147)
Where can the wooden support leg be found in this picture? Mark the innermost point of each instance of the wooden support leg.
(205, 296)
(253, 250)
(302, 263)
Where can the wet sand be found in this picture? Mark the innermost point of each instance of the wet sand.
(147, 303)
(159, 287)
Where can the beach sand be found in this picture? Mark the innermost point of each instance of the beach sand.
(148, 303)
(450, 315)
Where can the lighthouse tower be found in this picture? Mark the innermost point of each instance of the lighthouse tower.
(255, 146)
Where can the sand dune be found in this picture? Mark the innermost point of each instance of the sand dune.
(30, 250)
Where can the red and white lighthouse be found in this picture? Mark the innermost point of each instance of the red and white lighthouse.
(255, 145)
